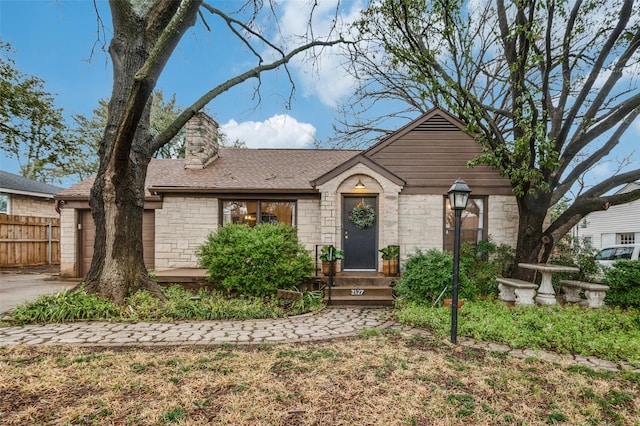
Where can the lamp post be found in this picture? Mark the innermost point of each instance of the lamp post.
(458, 197)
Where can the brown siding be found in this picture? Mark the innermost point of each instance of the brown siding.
(432, 155)
(88, 236)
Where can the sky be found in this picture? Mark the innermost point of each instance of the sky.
(61, 42)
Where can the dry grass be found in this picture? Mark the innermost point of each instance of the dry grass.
(386, 379)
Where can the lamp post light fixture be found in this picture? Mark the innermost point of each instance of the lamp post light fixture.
(458, 197)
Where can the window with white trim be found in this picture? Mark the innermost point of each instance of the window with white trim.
(4, 204)
(626, 238)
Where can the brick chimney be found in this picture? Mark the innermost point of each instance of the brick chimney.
(201, 141)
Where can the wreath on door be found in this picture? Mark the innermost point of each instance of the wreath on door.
(362, 215)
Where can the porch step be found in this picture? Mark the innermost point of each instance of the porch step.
(181, 275)
(375, 295)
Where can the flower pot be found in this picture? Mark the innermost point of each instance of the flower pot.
(390, 267)
(325, 267)
(449, 302)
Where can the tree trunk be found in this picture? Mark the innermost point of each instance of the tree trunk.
(117, 197)
(533, 245)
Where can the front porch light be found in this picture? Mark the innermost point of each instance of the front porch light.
(458, 197)
(360, 185)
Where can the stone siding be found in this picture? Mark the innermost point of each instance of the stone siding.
(68, 242)
(375, 184)
(201, 141)
(182, 225)
(421, 223)
(23, 205)
(503, 219)
(308, 224)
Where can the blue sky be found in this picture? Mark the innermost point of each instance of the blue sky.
(57, 40)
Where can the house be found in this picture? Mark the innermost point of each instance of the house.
(21, 196)
(617, 225)
(29, 222)
(404, 178)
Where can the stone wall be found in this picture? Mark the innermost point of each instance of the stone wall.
(308, 224)
(421, 223)
(503, 219)
(375, 184)
(201, 141)
(68, 242)
(23, 205)
(182, 225)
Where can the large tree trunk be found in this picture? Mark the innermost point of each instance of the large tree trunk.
(533, 245)
(117, 197)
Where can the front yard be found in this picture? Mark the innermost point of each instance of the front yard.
(378, 378)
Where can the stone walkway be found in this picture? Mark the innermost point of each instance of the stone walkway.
(331, 323)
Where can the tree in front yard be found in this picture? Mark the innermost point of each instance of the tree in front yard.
(145, 35)
(548, 88)
(32, 130)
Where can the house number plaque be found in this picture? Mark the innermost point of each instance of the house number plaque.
(357, 292)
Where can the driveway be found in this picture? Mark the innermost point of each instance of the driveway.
(16, 288)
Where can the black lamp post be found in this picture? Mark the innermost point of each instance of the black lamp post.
(458, 197)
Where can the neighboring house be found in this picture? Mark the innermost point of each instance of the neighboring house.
(21, 196)
(617, 225)
(405, 178)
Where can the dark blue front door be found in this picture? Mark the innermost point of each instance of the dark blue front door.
(359, 245)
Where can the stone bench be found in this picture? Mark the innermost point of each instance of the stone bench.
(594, 293)
(519, 291)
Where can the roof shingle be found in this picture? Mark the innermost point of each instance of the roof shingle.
(239, 169)
(10, 182)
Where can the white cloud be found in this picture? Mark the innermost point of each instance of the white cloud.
(279, 131)
(325, 78)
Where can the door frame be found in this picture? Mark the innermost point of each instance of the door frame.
(343, 219)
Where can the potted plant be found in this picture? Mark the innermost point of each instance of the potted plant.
(390, 258)
(330, 253)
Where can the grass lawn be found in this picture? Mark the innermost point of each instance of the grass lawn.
(379, 378)
(607, 333)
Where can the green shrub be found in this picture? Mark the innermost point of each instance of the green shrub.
(256, 261)
(425, 275)
(181, 304)
(484, 262)
(578, 253)
(623, 279)
(66, 306)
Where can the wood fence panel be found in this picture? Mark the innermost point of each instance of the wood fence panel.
(29, 241)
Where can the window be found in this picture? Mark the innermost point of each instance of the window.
(4, 204)
(472, 224)
(252, 212)
(629, 238)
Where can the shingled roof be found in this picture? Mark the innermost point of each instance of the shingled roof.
(237, 170)
(16, 184)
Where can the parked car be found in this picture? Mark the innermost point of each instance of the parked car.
(608, 255)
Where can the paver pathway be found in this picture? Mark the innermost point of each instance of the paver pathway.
(331, 323)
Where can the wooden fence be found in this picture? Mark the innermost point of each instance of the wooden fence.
(29, 241)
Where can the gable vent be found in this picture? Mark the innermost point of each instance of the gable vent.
(437, 123)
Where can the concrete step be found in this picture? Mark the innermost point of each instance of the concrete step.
(375, 295)
(358, 301)
(360, 281)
